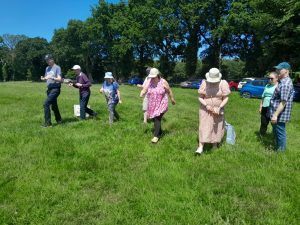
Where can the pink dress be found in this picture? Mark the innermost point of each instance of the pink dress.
(211, 127)
(157, 99)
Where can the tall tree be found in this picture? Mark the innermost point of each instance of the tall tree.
(191, 17)
(9, 42)
(264, 33)
(103, 36)
(30, 58)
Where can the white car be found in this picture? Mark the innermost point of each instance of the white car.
(187, 83)
(244, 81)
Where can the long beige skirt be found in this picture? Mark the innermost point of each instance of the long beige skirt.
(211, 127)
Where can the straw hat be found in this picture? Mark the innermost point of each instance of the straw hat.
(213, 75)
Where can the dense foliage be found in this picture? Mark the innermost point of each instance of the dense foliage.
(128, 36)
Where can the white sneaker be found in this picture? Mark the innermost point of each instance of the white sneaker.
(155, 140)
(199, 150)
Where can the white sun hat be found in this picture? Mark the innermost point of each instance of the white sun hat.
(108, 75)
(213, 76)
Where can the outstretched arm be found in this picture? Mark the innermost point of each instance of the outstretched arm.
(47, 77)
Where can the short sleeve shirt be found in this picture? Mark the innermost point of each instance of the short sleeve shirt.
(53, 71)
(267, 94)
(110, 92)
(283, 92)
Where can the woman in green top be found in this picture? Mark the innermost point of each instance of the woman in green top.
(265, 102)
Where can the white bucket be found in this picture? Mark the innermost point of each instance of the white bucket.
(77, 110)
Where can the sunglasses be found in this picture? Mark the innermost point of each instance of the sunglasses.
(270, 78)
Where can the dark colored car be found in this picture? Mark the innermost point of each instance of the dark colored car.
(296, 93)
(253, 88)
(233, 85)
(135, 81)
(196, 84)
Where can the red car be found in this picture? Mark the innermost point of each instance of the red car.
(233, 85)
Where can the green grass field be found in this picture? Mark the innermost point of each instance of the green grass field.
(86, 172)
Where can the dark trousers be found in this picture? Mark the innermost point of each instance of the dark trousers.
(157, 125)
(84, 100)
(52, 95)
(264, 121)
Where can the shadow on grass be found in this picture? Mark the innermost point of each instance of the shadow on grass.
(77, 119)
(69, 120)
(209, 148)
(267, 140)
(6, 181)
(149, 128)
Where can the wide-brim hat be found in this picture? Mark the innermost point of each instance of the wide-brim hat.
(108, 75)
(153, 73)
(213, 75)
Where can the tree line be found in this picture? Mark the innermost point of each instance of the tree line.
(183, 38)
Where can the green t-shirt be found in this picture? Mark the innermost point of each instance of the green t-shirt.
(267, 94)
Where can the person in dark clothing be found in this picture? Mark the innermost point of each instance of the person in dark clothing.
(265, 102)
(53, 79)
(83, 84)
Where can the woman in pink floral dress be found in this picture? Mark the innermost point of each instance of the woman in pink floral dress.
(213, 96)
(157, 90)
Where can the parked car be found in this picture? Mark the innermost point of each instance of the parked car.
(296, 96)
(186, 84)
(244, 81)
(253, 88)
(196, 84)
(233, 85)
(135, 81)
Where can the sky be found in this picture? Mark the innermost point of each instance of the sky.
(39, 18)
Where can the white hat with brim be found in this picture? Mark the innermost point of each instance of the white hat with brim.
(153, 73)
(108, 75)
(76, 67)
(213, 76)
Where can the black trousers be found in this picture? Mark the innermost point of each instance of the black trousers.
(84, 100)
(157, 125)
(52, 95)
(264, 121)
